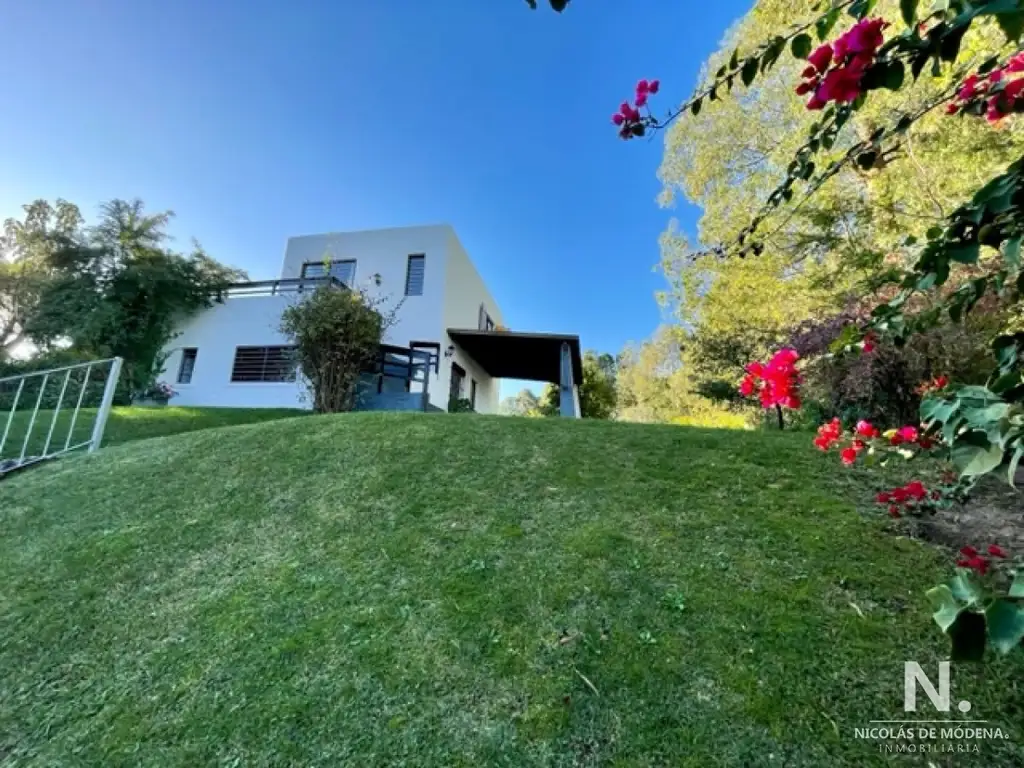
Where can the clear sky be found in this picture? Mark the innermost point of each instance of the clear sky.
(258, 120)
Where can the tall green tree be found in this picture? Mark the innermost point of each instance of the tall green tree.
(116, 288)
(524, 403)
(597, 393)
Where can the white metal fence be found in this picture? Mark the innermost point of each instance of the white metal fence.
(53, 412)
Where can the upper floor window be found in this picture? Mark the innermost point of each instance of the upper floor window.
(188, 365)
(263, 364)
(414, 271)
(344, 270)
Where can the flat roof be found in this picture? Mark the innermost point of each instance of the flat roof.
(513, 355)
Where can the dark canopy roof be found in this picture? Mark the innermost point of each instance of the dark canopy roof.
(508, 355)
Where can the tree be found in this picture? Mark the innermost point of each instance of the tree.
(115, 289)
(596, 392)
(337, 335)
(25, 249)
(525, 403)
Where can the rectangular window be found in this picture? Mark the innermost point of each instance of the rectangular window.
(263, 364)
(414, 271)
(472, 393)
(345, 270)
(188, 364)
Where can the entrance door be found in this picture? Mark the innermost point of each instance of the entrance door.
(457, 383)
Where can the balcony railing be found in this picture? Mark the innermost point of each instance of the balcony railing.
(282, 287)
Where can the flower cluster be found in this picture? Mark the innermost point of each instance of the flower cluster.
(912, 498)
(995, 94)
(776, 383)
(161, 390)
(870, 340)
(831, 433)
(628, 117)
(835, 71)
(971, 558)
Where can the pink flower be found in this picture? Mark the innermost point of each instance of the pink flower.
(995, 76)
(842, 85)
(866, 429)
(848, 456)
(996, 551)
(642, 87)
(618, 118)
(653, 86)
(1014, 90)
(641, 99)
(625, 109)
(755, 369)
(1016, 64)
(804, 88)
(747, 386)
(819, 60)
(816, 102)
(968, 89)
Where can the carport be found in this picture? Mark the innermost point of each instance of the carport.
(549, 357)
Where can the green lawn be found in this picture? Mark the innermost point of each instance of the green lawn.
(124, 425)
(430, 590)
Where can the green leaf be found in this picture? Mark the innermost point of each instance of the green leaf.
(695, 106)
(934, 409)
(934, 233)
(1005, 624)
(1012, 24)
(866, 159)
(721, 71)
(968, 636)
(1017, 587)
(964, 253)
(824, 25)
(749, 70)
(559, 5)
(894, 75)
(1011, 476)
(947, 609)
(964, 588)
(949, 47)
(908, 10)
(918, 62)
(1011, 251)
(734, 60)
(801, 45)
(974, 455)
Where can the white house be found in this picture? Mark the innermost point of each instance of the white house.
(447, 341)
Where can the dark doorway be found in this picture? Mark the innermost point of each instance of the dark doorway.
(457, 383)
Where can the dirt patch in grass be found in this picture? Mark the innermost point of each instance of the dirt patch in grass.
(995, 515)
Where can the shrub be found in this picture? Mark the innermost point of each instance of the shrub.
(337, 334)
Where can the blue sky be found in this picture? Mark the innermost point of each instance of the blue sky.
(259, 120)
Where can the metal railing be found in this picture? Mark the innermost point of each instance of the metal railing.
(67, 394)
(284, 286)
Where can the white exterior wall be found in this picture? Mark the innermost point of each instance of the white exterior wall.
(464, 292)
(241, 321)
(452, 294)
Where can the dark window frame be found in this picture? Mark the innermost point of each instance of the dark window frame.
(187, 357)
(271, 370)
(422, 259)
(329, 269)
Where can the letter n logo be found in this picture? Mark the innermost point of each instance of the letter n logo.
(913, 674)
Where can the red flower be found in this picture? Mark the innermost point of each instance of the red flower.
(653, 86)
(952, 109)
(642, 86)
(841, 85)
(819, 60)
(858, 445)
(829, 434)
(618, 118)
(755, 369)
(865, 429)
(969, 551)
(869, 343)
(900, 495)
(979, 564)
(906, 434)
(641, 99)
(848, 456)
(941, 382)
(747, 386)
(963, 563)
(804, 88)
(1016, 64)
(916, 490)
(884, 497)
(816, 102)
(894, 511)
(996, 551)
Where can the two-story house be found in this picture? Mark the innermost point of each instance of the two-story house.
(447, 340)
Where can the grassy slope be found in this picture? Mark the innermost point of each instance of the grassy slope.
(125, 424)
(392, 589)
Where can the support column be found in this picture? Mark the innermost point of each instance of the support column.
(569, 396)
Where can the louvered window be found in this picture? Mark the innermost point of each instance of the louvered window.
(414, 273)
(266, 364)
